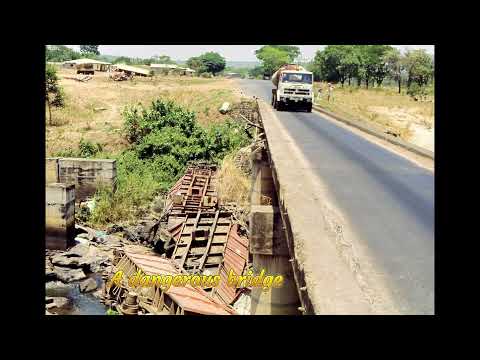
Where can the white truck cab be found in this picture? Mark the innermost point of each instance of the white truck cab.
(294, 88)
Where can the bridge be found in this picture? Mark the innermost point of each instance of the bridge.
(347, 219)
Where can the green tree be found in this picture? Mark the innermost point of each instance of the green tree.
(60, 53)
(394, 62)
(53, 91)
(256, 72)
(213, 62)
(160, 59)
(89, 49)
(272, 58)
(292, 51)
(337, 63)
(419, 67)
(196, 64)
(123, 60)
(372, 62)
(210, 62)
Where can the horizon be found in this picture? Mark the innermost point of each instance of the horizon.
(231, 53)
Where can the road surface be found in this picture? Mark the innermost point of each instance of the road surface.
(388, 200)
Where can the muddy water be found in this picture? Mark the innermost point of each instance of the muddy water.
(83, 303)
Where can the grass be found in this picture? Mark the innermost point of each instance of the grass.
(381, 106)
(163, 138)
(78, 119)
(233, 184)
(152, 163)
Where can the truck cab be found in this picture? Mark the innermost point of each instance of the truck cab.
(294, 88)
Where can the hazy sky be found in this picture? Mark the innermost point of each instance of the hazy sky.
(230, 52)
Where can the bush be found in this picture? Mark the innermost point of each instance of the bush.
(140, 121)
(417, 92)
(52, 88)
(88, 149)
(164, 138)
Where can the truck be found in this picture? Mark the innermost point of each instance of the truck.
(293, 88)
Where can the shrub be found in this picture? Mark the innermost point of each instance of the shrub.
(164, 138)
(53, 89)
(88, 149)
(417, 92)
(140, 121)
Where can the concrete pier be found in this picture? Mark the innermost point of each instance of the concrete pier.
(268, 245)
(59, 216)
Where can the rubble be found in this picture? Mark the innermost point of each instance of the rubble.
(192, 234)
(88, 285)
(225, 108)
(120, 76)
(172, 301)
(56, 304)
(243, 304)
(84, 78)
(68, 275)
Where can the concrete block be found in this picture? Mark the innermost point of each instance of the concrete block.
(87, 174)
(261, 229)
(262, 182)
(277, 301)
(51, 170)
(59, 215)
(267, 235)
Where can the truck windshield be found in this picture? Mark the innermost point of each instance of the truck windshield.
(297, 78)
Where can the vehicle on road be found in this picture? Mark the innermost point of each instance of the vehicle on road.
(293, 88)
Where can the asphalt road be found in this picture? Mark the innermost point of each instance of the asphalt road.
(388, 200)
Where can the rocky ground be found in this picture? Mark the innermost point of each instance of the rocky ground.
(81, 267)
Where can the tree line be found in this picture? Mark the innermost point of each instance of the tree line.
(369, 65)
(210, 62)
(364, 64)
(60, 53)
(372, 64)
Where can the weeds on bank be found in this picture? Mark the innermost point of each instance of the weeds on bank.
(163, 139)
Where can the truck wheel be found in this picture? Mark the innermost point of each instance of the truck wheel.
(279, 106)
(309, 108)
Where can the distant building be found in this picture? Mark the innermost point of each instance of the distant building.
(95, 64)
(163, 68)
(138, 71)
(171, 69)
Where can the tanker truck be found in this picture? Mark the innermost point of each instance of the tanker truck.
(293, 88)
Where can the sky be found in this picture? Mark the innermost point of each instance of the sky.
(230, 52)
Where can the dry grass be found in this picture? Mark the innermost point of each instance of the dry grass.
(82, 118)
(233, 184)
(382, 106)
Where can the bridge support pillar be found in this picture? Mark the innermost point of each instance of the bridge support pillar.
(268, 245)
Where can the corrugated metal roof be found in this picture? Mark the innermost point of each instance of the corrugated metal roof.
(188, 297)
(86, 61)
(132, 69)
(235, 258)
